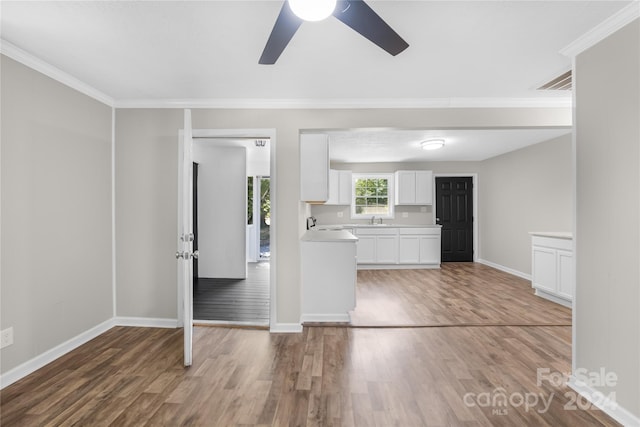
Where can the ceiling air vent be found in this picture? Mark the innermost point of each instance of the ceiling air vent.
(562, 82)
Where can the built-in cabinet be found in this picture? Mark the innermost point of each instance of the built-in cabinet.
(414, 187)
(552, 266)
(314, 168)
(390, 247)
(328, 272)
(339, 187)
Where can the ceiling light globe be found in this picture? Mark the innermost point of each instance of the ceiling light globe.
(312, 10)
(432, 144)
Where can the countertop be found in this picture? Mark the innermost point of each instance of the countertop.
(328, 236)
(555, 234)
(343, 226)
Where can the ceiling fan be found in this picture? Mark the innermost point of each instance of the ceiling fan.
(354, 13)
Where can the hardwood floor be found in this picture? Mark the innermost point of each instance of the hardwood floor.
(456, 294)
(230, 300)
(326, 376)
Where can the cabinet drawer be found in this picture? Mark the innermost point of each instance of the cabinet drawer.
(420, 231)
(366, 231)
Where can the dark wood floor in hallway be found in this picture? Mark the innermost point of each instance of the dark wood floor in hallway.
(235, 300)
(326, 376)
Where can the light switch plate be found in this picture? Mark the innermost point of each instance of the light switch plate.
(6, 337)
(405, 214)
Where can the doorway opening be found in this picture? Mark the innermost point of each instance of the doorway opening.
(232, 227)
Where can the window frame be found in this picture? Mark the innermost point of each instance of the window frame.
(390, 194)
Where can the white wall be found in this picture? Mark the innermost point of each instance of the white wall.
(222, 210)
(607, 313)
(56, 279)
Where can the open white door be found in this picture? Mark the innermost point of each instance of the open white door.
(185, 252)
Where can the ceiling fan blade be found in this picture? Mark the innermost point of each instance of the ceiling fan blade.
(283, 30)
(359, 16)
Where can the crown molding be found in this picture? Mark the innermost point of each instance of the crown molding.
(603, 30)
(12, 51)
(547, 102)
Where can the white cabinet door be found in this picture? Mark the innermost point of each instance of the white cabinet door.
(314, 168)
(409, 250)
(430, 249)
(334, 187)
(387, 249)
(544, 269)
(405, 187)
(565, 274)
(339, 187)
(366, 249)
(424, 187)
(345, 184)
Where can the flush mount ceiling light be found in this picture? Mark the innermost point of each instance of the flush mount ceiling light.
(313, 10)
(432, 144)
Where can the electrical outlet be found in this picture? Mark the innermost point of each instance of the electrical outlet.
(6, 337)
(405, 214)
(340, 214)
(423, 208)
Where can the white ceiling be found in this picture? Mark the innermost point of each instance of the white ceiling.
(384, 145)
(206, 53)
(209, 50)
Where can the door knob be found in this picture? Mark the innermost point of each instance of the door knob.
(179, 255)
(195, 254)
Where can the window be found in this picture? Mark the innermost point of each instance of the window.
(372, 195)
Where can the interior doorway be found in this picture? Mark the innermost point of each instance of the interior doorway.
(234, 299)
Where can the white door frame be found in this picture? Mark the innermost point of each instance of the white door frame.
(257, 134)
(474, 180)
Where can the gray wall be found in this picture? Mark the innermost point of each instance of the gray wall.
(146, 209)
(525, 190)
(607, 315)
(56, 213)
(147, 212)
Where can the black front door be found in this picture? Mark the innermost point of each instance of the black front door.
(454, 211)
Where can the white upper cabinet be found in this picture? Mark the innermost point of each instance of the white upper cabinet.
(314, 168)
(339, 187)
(414, 187)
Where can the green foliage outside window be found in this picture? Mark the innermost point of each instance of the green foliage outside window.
(372, 196)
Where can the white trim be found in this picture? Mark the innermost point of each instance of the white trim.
(476, 218)
(574, 189)
(553, 298)
(50, 355)
(145, 322)
(258, 103)
(25, 58)
(603, 30)
(333, 318)
(505, 269)
(113, 213)
(398, 266)
(285, 328)
(604, 403)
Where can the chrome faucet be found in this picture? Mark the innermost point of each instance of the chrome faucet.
(373, 220)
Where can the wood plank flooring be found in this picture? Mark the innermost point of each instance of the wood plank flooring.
(231, 300)
(330, 376)
(456, 294)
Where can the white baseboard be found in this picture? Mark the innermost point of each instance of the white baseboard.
(285, 328)
(333, 318)
(397, 266)
(146, 322)
(49, 356)
(608, 406)
(505, 269)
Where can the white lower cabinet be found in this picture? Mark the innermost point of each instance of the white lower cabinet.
(552, 267)
(403, 247)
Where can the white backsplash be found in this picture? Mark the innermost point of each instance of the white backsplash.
(328, 215)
